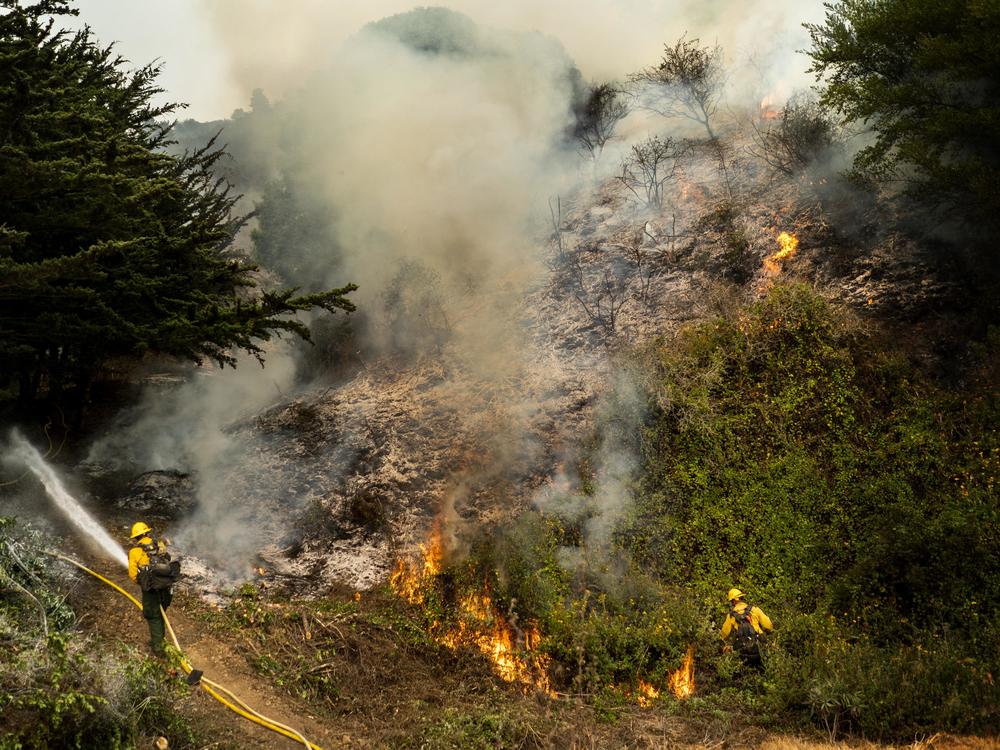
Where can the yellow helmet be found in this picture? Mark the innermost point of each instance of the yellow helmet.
(138, 529)
(734, 594)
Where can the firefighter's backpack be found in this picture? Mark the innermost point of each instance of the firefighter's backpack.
(747, 637)
(160, 572)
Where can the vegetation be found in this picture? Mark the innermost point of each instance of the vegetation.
(59, 688)
(803, 136)
(789, 453)
(605, 107)
(687, 83)
(650, 167)
(109, 246)
(922, 77)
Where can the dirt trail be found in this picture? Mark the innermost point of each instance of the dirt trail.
(415, 687)
(107, 612)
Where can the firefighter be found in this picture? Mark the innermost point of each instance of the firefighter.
(154, 596)
(748, 623)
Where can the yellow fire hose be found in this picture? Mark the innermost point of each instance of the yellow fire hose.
(212, 688)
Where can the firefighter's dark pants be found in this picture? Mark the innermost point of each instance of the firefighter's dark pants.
(151, 603)
(752, 658)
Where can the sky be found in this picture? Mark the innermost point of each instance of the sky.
(215, 52)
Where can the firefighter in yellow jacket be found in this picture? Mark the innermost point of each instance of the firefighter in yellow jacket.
(145, 547)
(748, 623)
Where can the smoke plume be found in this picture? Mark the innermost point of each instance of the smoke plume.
(428, 144)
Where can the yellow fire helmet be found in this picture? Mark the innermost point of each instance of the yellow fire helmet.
(732, 596)
(138, 529)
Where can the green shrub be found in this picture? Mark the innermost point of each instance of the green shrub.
(851, 685)
(795, 456)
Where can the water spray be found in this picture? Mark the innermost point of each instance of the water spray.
(27, 454)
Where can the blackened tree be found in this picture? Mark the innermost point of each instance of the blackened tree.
(109, 246)
(604, 108)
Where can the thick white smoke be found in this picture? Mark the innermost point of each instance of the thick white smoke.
(434, 141)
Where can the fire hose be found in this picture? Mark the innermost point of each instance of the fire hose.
(214, 689)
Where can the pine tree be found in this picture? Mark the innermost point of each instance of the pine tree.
(109, 246)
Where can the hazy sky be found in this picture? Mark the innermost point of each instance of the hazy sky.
(216, 51)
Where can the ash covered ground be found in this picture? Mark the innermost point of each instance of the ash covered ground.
(328, 487)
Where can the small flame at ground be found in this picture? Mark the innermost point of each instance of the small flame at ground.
(767, 109)
(682, 681)
(789, 246)
(513, 652)
(647, 693)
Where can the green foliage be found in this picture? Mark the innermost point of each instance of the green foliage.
(922, 76)
(795, 457)
(856, 686)
(477, 729)
(603, 626)
(295, 235)
(110, 246)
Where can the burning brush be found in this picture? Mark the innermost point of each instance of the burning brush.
(789, 245)
(513, 651)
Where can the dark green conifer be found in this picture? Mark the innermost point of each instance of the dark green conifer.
(109, 246)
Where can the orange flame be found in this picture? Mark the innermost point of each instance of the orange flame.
(789, 246)
(408, 579)
(647, 693)
(512, 651)
(682, 681)
(767, 110)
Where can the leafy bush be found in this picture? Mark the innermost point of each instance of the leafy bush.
(855, 686)
(604, 625)
(795, 456)
(805, 135)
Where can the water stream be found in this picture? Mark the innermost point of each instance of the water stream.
(26, 453)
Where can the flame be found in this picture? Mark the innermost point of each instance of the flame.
(767, 109)
(409, 579)
(682, 681)
(789, 246)
(512, 651)
(647, 693)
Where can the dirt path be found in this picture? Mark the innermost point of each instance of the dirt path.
(415, 688)
(104, 610)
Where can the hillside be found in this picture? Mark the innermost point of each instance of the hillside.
(464, 433)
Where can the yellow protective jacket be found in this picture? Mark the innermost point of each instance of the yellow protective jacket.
(137, 557)
(758, 619)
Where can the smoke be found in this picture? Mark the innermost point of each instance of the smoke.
(428, 144)
(275, 45)
(192, 426)
(434, 144)
(599, 509)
